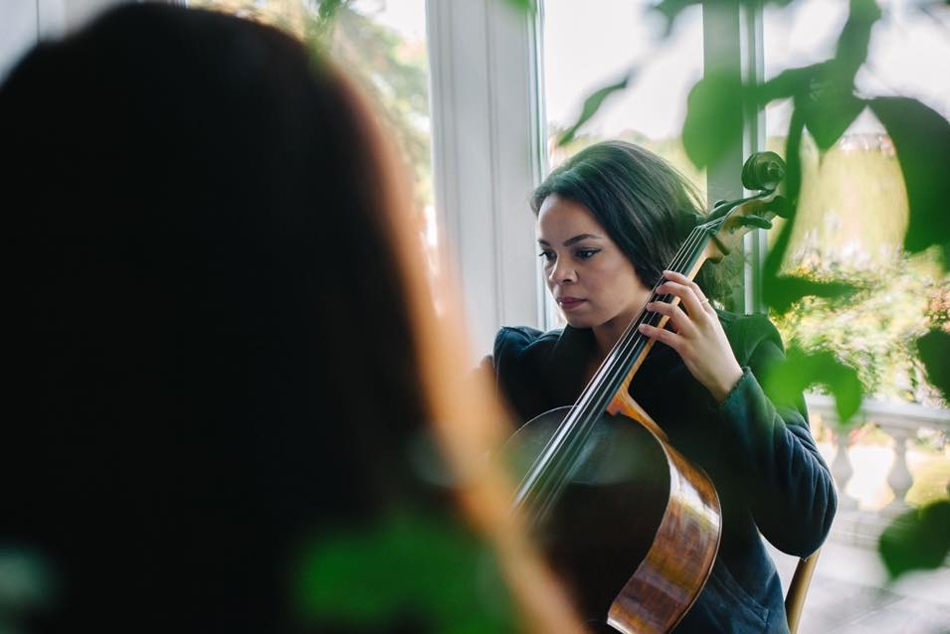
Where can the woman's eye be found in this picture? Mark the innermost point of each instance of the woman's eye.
(547, 255)
(586, 254)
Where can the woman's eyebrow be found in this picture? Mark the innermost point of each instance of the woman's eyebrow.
(573, 240)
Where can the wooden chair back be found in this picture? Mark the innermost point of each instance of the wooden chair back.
(798, 589)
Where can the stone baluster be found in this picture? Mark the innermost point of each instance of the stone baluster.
(900, 478)
(841, 467)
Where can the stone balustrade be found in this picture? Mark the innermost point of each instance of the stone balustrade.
(902, 422)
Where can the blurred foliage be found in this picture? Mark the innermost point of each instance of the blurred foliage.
(917, 540)
(412, 573)
(395, 73)
(27, 588)
(852, 211)
(874, 329)
(711, 106)
(922, 139)
(934, 350)
(391, 70)
(592, 105)
(524, 5)
(799, 372)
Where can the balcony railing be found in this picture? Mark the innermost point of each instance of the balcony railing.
(861, 520)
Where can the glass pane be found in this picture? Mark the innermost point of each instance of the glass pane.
(382, 45)
(590, 45)
(853, 207)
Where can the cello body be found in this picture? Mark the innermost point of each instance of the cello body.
(633, 503)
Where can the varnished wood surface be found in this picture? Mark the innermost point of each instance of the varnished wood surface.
(635, 534)
(679, 561)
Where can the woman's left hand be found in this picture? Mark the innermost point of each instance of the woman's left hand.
(696, 335)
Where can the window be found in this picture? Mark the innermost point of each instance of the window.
(588, 47)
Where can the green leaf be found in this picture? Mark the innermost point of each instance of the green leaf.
(789, 83)
(921, 137)
(803, 369)
(410, 570)
(780, 299)
(327, 10)
(781, 292)
(593, 103)
(527, 6)
(671, 9)
(823, 98)
(934, 351)
(713, 117)
(824, 92)
(829, 112)
(852, 49)
(829, 105)
(917, 540)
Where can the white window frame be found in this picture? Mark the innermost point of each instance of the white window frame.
(486, 140)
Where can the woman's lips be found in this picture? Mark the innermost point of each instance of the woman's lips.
(569, 303)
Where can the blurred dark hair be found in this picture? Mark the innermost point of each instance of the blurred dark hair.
(210, 348)
(645, 204)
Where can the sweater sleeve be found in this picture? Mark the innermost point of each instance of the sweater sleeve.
(516, 375)
(792, 492)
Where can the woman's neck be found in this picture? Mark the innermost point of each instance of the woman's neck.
(606, 337)
(607, 334)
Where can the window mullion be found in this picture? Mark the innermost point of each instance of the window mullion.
(486, 140)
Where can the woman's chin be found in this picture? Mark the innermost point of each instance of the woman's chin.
(577, 321)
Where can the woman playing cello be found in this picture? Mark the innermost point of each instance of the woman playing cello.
(609, 221)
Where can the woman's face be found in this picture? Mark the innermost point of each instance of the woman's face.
(591, 279)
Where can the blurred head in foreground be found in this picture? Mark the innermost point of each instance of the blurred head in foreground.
(233, 402)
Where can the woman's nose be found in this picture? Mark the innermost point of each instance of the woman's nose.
(561, 272)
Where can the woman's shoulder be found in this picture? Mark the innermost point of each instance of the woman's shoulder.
(526, 366)
(525, 335)
(518, 339)
(748, 331)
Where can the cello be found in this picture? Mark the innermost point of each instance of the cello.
(605, 455)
